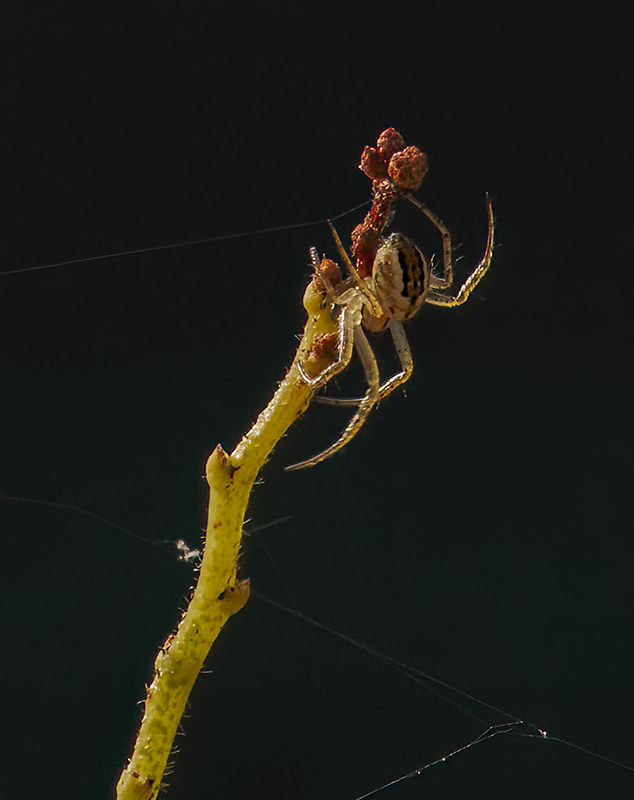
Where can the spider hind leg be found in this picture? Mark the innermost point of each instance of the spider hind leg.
(407, 366)
(365, 405)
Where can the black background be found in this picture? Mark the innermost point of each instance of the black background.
(479, 528)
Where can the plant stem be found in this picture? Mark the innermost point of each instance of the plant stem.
(218, 593)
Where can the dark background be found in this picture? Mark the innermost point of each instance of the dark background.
(479, 527)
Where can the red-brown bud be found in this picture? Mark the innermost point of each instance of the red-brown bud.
(407, 168)
(389, 142)
(373, 164)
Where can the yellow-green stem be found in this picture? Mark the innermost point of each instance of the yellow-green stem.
(218, 593)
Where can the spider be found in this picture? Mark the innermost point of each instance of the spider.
(401, 281)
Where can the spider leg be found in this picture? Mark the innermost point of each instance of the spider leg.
(349, 318)
(404, 356)
(365, 406)
(407, 366)
(439, 299)
(374, 304)
(447, 257)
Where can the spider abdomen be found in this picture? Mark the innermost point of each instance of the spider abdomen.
(400, 275)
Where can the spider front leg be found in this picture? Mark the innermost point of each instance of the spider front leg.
(369, 296)
(407, 367)
(447, 250)
(436, 298)
(365, 404)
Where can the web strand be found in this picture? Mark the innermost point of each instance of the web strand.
(515, 726)
(190, 243)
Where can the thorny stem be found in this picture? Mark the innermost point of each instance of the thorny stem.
(218, 593)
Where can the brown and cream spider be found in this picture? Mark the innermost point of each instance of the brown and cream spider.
(402, 280)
